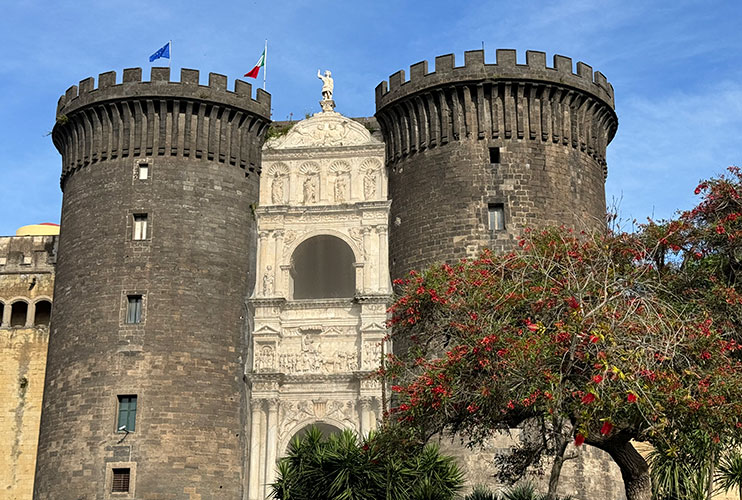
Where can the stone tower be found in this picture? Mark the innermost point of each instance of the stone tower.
(144, 394)
(477, 153)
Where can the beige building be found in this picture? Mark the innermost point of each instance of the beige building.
(26, 287)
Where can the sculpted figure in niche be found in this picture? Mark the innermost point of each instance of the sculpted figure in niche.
(277, 189)
(327, 84)
(341, 189)
(265, 359)
(268, 281)
(369, 184)
(310, 189)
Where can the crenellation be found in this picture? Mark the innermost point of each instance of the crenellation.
(217, 81)
(506, 58)
(159, 74)
(536, 60)
(107, 79)
(188, 87)
(563, 64)
(506, 67)
(132, 75)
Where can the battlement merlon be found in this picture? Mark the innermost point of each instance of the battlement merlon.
(28, 254)
(161, 86)
(506, 68)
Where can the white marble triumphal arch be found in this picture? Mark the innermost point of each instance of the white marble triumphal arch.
(322, 288)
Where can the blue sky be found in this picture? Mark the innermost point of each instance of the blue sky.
(676, 67)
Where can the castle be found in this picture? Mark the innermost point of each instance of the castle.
(216, 293)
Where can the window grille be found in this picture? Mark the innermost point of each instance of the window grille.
(121, 479)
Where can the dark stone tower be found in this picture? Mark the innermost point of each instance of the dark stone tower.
(479, 152)
(156, 256)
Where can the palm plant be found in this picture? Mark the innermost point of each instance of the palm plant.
(678, 473)
(729, 472)
(342, 467)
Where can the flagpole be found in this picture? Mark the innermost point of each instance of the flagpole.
(265, 63)
(169, 59)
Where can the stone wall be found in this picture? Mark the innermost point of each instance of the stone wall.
(190, 270)
(26, 276)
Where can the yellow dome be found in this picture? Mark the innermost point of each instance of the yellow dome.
(43, 229)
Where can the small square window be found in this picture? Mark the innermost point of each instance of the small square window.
(495, 155)
(134, 309)
(127, 419)
(121, 479)
(496, 214)
(143, 171)
(140, 227)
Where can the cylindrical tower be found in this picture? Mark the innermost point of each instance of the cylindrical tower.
(144, 390)
(479, 152)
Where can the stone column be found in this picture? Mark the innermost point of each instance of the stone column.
(368, 280)
(278, 288)
(6, 315)
(30, 314)
(271, 427)
(364, 405)
(383, 253)
(254, 482)
(262, 254)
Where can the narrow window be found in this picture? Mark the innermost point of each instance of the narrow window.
(121, 479)
(18, 313)
(143, 169)
(2, 313)
(43, 313)
(127, 414)
(140, 227)
(134, 309)
(496, 217)
(495, 155)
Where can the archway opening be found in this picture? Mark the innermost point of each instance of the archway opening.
(323, 268)
(18, 313)
(326, 429)
(43, 314)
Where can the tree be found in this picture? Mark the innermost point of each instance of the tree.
(605, 337)
(343, 467)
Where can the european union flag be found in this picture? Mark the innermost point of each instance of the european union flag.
(163, 52)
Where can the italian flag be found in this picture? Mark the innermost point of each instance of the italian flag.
(253, 73)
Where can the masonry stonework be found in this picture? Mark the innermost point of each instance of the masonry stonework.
(26, 281)
(525, 139)
(548, 129)
(191, 265)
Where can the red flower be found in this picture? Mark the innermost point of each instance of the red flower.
(588, 398)
(472, 408)
(579, 439)
(531, 326)
(631, 397)
(572, 302)
(594, 339)
(598, 379)
(606, 429)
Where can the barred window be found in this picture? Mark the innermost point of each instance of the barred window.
(121, 478)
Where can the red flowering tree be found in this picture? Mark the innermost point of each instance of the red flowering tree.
(605, 338)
